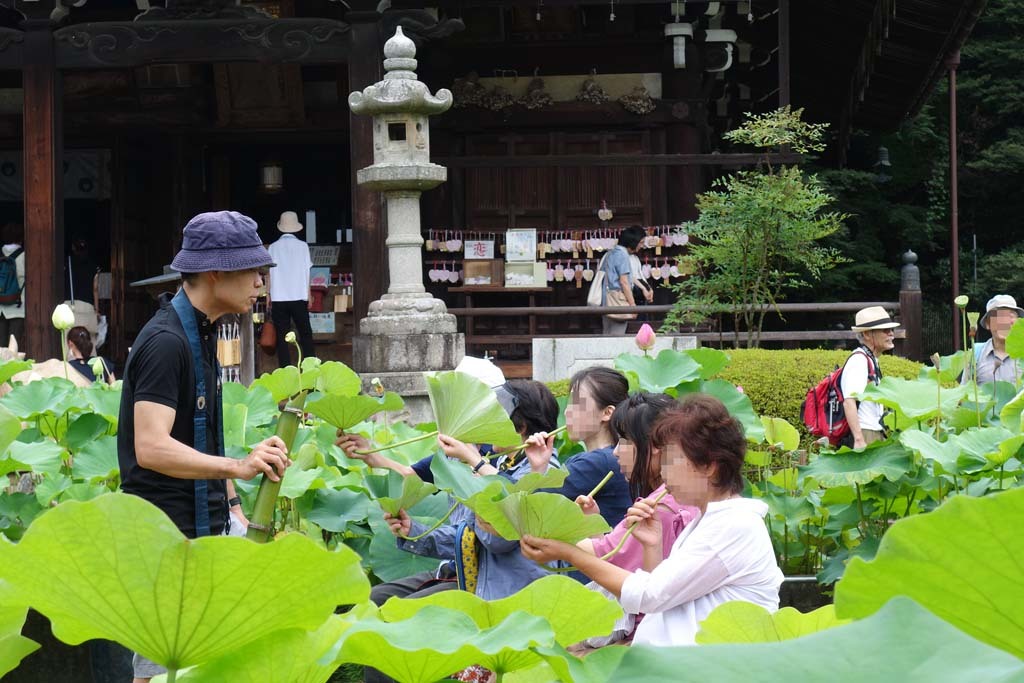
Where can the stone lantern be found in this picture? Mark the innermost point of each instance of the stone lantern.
(407, 330)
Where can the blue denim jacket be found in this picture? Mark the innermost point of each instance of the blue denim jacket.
(502, 568)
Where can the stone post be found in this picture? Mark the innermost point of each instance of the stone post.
(406, 331)
(910, 307)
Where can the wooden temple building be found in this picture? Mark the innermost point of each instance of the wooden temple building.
(120, 119)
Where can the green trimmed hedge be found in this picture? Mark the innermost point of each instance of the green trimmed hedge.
(777, 381)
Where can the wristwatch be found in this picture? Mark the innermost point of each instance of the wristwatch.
(232, 502)
(476, 467)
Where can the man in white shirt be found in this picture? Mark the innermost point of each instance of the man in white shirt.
(875, 332)
(289, 288)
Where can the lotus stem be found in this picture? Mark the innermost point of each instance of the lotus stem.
(600, 484)
(516, 449)
(172, 674)
(261, 525)
(629, 532)
(64, 351)
(435, 527)
(389, 446)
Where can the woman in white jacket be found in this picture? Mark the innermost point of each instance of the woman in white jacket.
(725, 555)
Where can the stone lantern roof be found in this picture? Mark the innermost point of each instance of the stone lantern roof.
(401, 91)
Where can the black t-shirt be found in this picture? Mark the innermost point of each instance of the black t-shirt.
(160, 369)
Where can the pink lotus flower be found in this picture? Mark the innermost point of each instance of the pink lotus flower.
(645, 338)
(740, 389)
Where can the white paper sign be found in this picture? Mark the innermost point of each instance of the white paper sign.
(479, 249)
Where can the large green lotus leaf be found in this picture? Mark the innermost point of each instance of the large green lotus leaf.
(10, 428)
(745, 622)
(292, 656)
(980, 446)
(85, 428)
(1007, 449)
(466, 409)
(552, 479)
(711, 361)
(410, 452)
(96, 460)
(51, 487)
(13, 646)
(104, 400)
(42, 457)
(261, 408)
(1010, 415)
(117, 568)
(50, 396)
(902, 642)
(387, 561)
(457, 479)
(437, 642)
(296, 482)
(574, 611)
(545, 515)
(791, 510)
(486, 505)
(739, 406)
(338, 378)
(10, 368)
(914, 400)
(666, 371)
(1015, 340)
(886, 459)
(333, 510)
(414, 490)
(950, 368)
(281, 383)
(780, 433)
(345, 411)
(960, 561)
(17, 510)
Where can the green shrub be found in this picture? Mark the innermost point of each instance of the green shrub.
(777, 381)
(559, 387)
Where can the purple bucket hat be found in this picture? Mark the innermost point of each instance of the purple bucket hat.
(221, 240)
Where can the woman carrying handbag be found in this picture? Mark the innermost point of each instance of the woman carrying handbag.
(618, 280)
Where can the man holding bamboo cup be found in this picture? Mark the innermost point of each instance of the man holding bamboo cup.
(170, 441)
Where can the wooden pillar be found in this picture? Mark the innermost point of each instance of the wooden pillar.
(784, 53)
(44, 195)
(684, 86)
(369, 269)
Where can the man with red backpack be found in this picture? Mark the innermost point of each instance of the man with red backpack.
(875, 332)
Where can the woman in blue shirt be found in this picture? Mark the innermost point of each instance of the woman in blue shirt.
(618, 275)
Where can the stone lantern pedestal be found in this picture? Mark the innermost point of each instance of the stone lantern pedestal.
(406, 331)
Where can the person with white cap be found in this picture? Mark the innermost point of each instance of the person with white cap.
(289, 288)
(991, 362)
(875, 332)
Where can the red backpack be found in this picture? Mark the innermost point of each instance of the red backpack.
(822, 410)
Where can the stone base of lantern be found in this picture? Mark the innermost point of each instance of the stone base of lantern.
(401, 338)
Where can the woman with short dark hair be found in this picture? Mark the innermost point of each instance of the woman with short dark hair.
(725, 555)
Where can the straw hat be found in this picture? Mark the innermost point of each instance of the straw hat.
(289, 222)
(873, 318)
(997, 302)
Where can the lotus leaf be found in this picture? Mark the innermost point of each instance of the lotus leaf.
(437, 642)
(1010, 415)
(950, 368)
(261, 408)
(138, 581)
(296, 482)
(400, 431)
(739, 406)
(904, 641)
(665, 371)
(386, 559)
(13, 646)
(466, 409)
(10, 428)
(456, 478)
(1015, 340)
(292, 656)
(544, 515)
(979, 446)
(959, 561)
(789, 510)
(104, 400)
(712, 361)
(573, 611)
(338, 378)
(10, 368)
(345, 411)
(86, 428)
(281, 383)
(780, 433)
(50, 396)
(847, 467)
(414, 490)
(333, 510)
(914, 400)
(42, 457)
(97, 460)
(552, 479)
(745, 622)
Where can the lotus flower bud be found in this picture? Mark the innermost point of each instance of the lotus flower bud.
(63, 317)
(961, 301)
(378, 386)
(290, 337)
(97, 367)
(645, 338)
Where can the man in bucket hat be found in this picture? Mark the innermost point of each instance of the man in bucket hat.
(875, 332)
(170, 441)
(991, 362)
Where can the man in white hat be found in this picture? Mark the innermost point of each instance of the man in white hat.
(289, 288)
(992, 363)
(875, 332)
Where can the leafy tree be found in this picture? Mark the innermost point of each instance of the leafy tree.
(759, 232)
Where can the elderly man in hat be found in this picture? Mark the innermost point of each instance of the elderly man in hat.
(875, 332)
(170, 440)
(289, 288)
(991, 362)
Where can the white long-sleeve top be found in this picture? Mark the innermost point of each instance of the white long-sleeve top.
(724, 555)
(289, 279)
